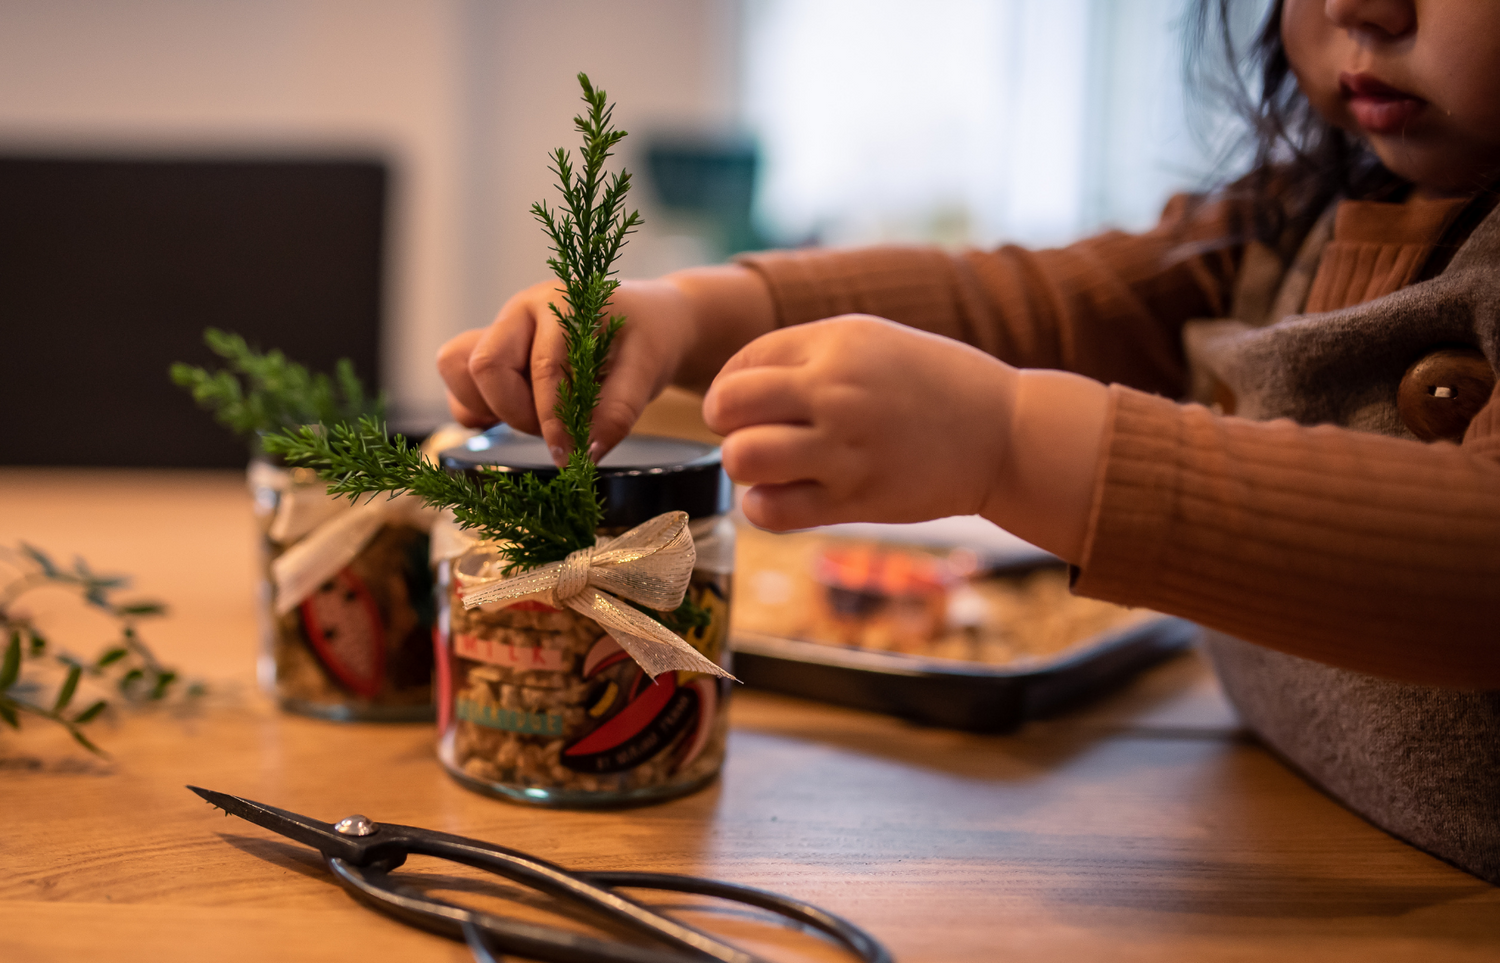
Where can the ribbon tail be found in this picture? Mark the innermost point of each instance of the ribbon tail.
(299, 570)
(302, 510)
(649, 643)
(448, 540)
(535, 581)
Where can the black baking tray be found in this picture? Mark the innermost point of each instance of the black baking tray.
(957, 695)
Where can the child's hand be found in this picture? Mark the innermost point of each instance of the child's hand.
(680, 327)
(509, 371)
(860, 419)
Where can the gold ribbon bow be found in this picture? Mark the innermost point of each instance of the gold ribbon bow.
(651, 564)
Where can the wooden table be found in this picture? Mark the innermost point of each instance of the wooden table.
(1146, 828)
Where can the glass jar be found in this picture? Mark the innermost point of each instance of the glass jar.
(357, 644)
(539, 704)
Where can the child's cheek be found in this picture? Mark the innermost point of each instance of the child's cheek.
(1315, 48)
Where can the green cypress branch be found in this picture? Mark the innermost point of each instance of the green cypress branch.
(535, 522)
(260, 392)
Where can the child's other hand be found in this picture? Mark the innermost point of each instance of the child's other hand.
(861, 419)
(510, 370)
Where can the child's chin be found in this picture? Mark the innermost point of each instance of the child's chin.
(1430, 166)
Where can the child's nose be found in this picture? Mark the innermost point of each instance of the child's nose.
(1385, 19)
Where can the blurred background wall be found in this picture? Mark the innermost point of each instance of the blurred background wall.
(954, 121)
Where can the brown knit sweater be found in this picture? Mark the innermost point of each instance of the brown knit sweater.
(1342, 546)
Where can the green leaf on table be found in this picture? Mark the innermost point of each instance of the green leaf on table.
(8, 713)
(111, 657)
(83, 741)
(163, 680)
(89, 714)
(10, 668)
(69, 686)
(41, 558)
(140, 608)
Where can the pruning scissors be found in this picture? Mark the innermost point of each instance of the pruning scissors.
(362, 853)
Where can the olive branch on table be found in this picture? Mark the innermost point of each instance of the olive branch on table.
(126, 663)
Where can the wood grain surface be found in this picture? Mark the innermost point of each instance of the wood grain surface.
(1146, 827)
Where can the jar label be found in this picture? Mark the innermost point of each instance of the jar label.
(492, 652)
(509, 720)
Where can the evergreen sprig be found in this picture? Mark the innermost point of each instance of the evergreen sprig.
(127, 663)
(264, 391)
(587, 233)
(535, 522)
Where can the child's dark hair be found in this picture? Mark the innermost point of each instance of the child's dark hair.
(1301, 162)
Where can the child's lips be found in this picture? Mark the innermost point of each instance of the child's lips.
(1378, 107)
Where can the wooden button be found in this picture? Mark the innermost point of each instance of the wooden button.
(1441, 394)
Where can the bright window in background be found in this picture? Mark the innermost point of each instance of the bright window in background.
(966, 121)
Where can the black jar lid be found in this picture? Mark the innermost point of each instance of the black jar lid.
(642, 477)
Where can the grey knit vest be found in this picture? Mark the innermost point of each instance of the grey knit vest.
(1420, 762)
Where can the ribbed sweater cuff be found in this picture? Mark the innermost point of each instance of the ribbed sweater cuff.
(1131, 519)
(1350, 548)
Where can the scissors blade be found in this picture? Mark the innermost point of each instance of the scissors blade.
(319, 835)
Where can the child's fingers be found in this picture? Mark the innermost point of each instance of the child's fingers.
(548, 361)
(467, 417)
(634, 377)
(782, 347)
(464, 399)
(775, 455)
(755, 396)
(499, 365)
(785, 508)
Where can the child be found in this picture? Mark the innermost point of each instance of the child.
(1329, 508)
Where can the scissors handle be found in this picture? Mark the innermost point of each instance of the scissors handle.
(529, 940)
(854, 939)
(372, 884)
(575, 887)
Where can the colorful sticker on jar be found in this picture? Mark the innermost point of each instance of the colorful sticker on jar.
(509, 720)
(343, 625)
(634, 718)
(544, 697)
(491, 652)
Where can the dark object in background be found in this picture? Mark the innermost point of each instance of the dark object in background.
(712, 181)
(111, 269)
(958, 695)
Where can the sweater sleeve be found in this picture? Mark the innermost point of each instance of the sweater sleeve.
(1110, 307)
(1373, 553)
